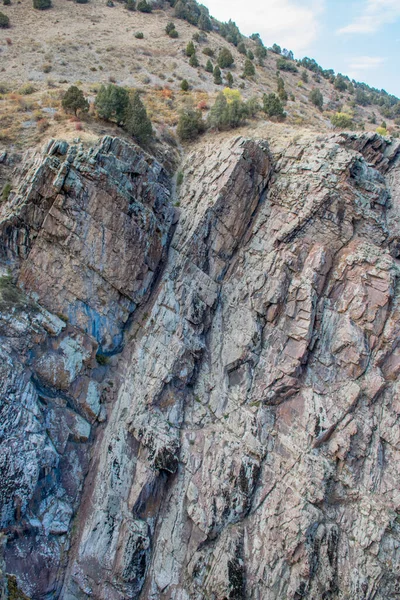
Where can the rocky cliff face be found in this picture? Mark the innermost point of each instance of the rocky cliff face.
(237, 436)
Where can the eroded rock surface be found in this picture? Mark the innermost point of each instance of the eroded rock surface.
(81, 240)
(251, 445)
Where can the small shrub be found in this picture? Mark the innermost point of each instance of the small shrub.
(131, 5)
(174, 34)
(190, 124)
(169, 27)
(81, 1)
(144, 7)
(273, 106)
(27, 89)
(139, 35)
(184, 85)
(41, 4)
(253, 107)
(42, 125)
(229, 79)
(46, 68)
(250, 55)
(179, 178)
(342, 121)
(283, 64)
(316, 98)
(208, 52)
(304, 76)
(6, 192)
(102, 359)
(382, 131)
(190, 49)
(4, 21)
(6, 2)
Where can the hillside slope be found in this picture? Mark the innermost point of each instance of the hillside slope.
(92, 43)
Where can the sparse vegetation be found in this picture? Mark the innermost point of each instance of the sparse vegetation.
(144, 7)
(316, 98)
(273, 106)
(283, 64)
(4, 21)
(6, 192)
(41, 4)
(342, 121)
(228, 111)
(208, 52)
(139, 35)
(190, 124)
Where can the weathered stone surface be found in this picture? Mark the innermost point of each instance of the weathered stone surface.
(83, 236)
(251, 446)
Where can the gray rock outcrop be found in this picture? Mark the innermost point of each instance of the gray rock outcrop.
(243, 441)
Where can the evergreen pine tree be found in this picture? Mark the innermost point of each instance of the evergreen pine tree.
(137, 123)
(193, 62)
(209, 67)
(273, 106)
(316, 98)
(218, 117)
(190, 49)
(225, 58)
(184, 85)
(249, 70)
(217, 75)
(190, 123)
(281, 90)
(74, 100)
(112, 103)
(204, 22)
(229, 79)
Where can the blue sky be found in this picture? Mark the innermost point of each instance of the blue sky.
(359, 38)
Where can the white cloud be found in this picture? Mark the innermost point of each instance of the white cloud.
(293, 24)
(357, 66)
(376, 14)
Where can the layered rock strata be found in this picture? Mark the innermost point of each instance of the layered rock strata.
(250, 446)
